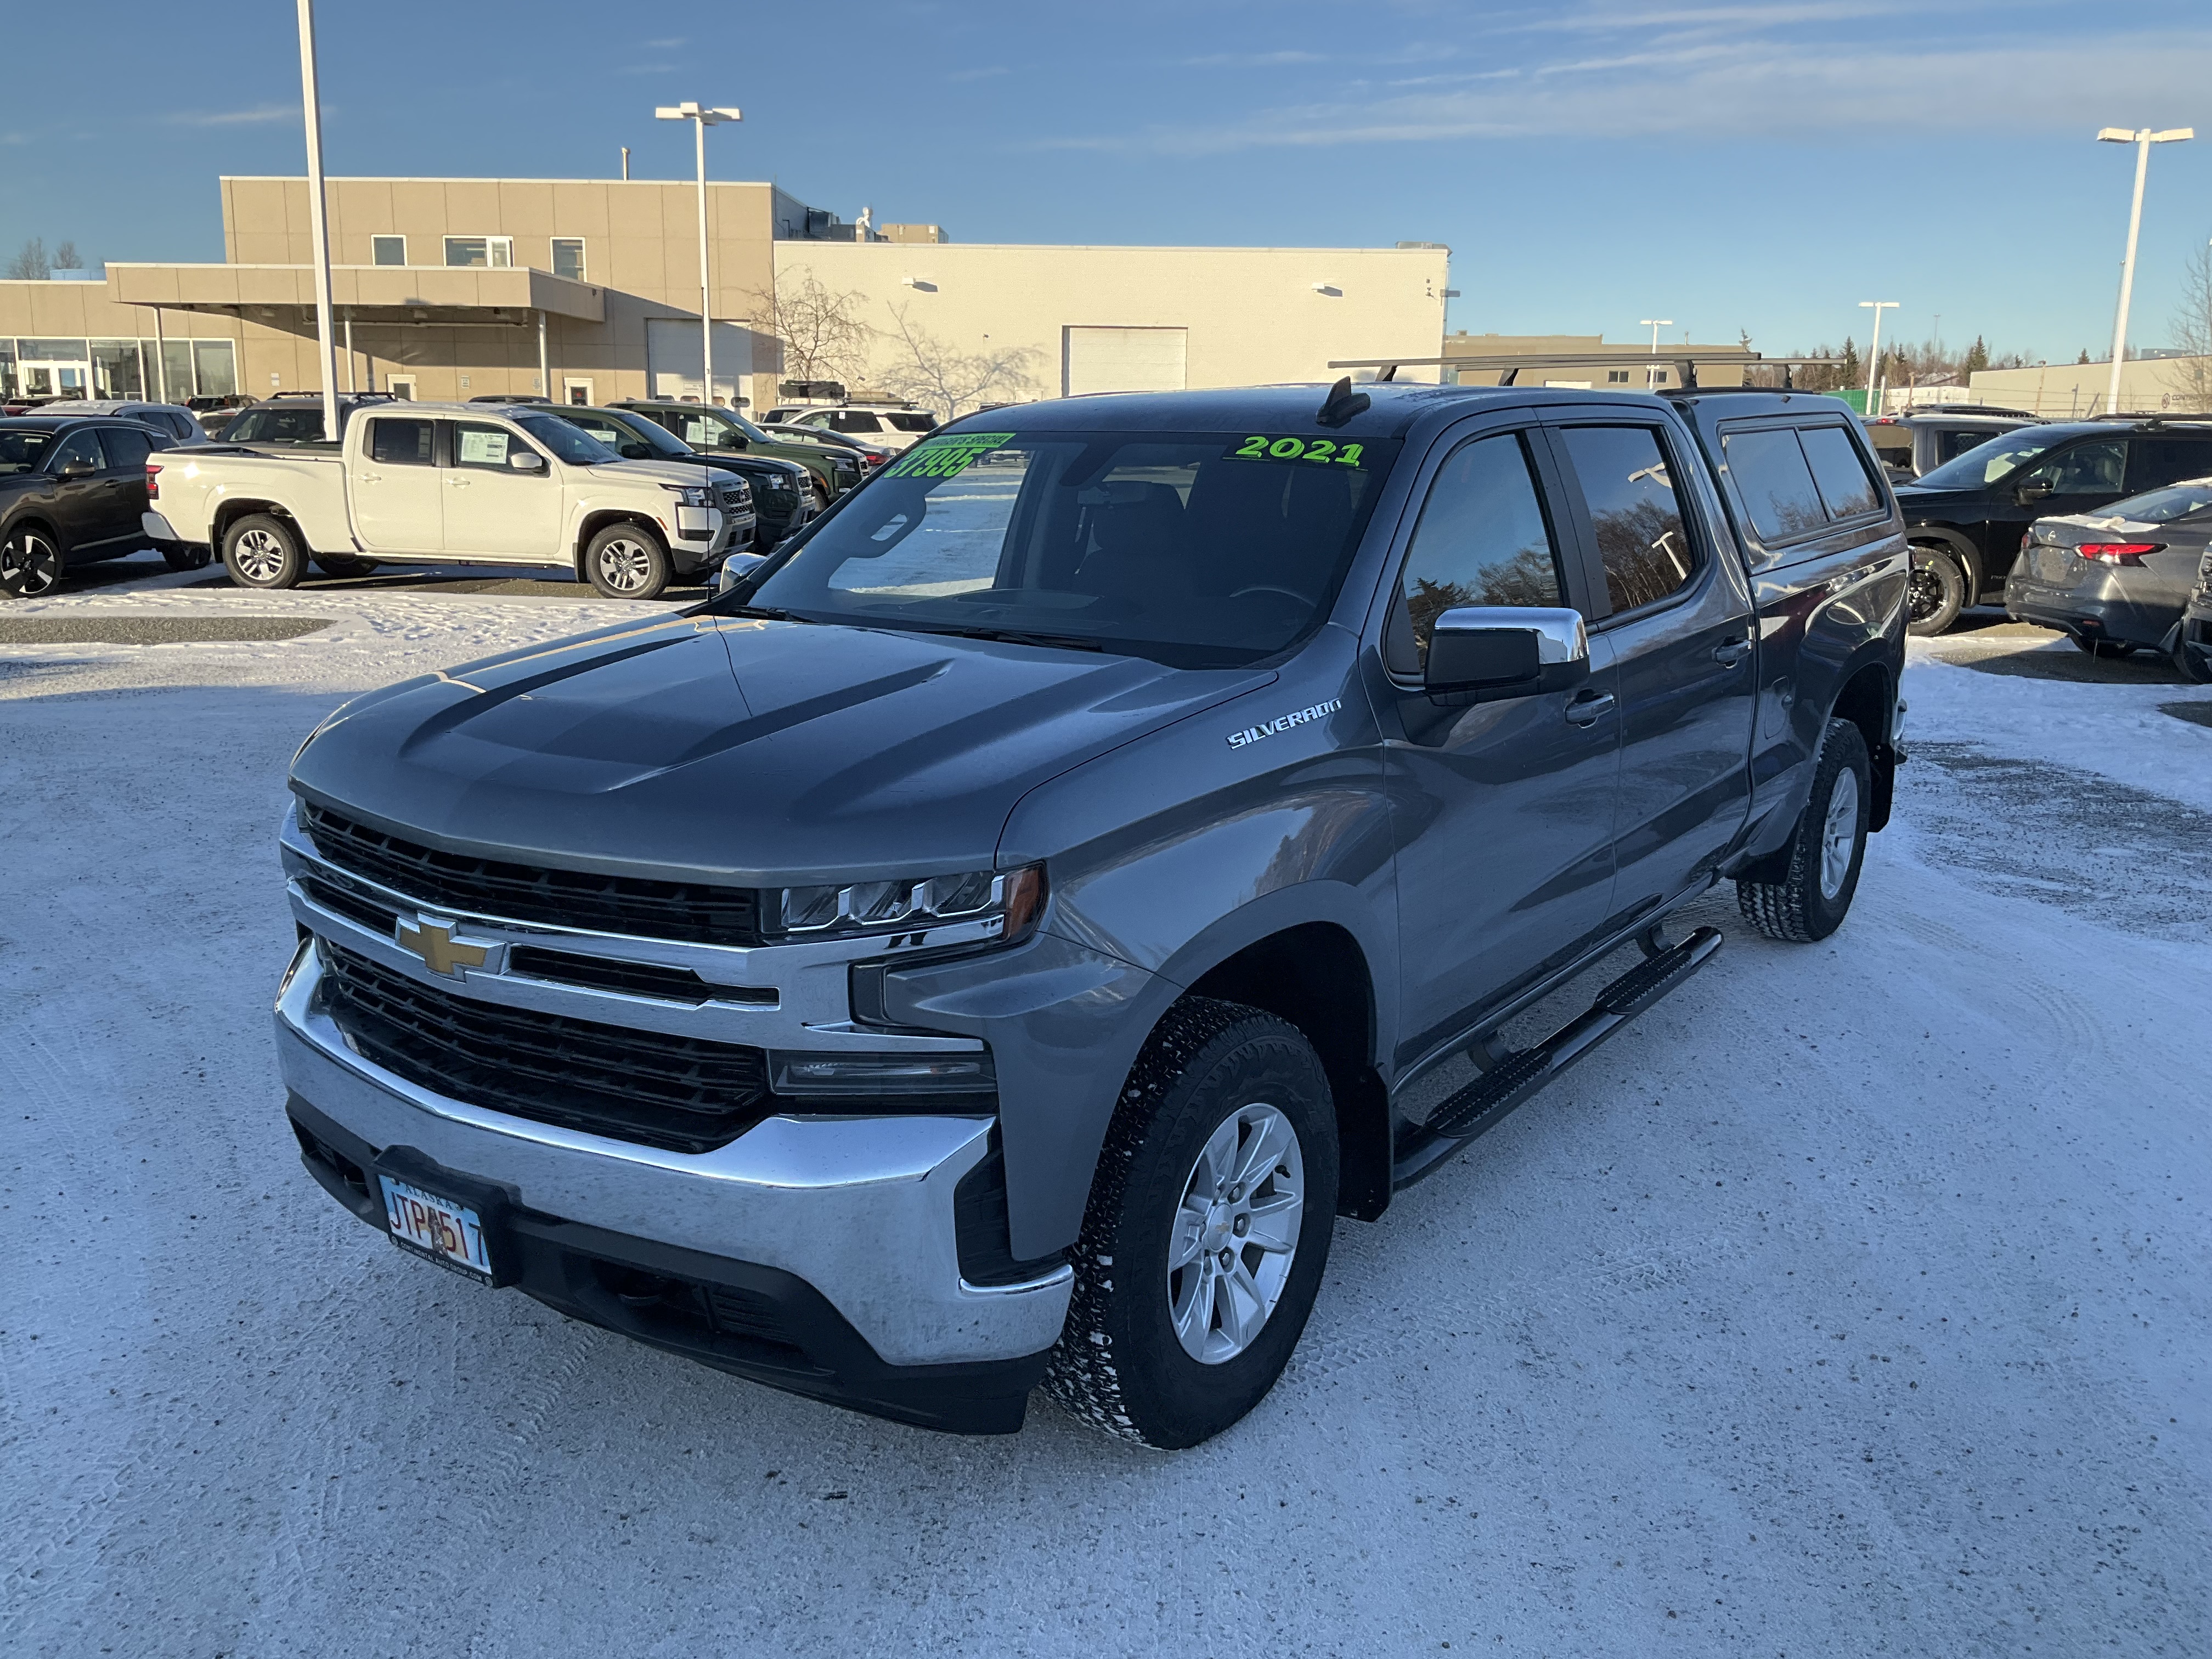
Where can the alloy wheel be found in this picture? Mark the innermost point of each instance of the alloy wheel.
(30, 565)
(1839, 833)
(1923, 593)
(625, 565)
(260, 557)
(1236, 1233)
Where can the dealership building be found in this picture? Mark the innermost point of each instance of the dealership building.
(587, 290)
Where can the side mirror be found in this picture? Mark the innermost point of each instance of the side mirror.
(2032, 492)
(78, 469)
(526, 460)
(731, 440)
(736, 568)
(1489, 653)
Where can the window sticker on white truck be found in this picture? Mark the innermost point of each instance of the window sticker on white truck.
(483, 446)
(1283, 723)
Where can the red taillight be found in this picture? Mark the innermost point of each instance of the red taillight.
(2117, 552)
(153, 482)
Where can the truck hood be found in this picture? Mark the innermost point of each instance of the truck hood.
(675, 473)
(739, 751)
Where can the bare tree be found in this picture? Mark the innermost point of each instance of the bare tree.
(65, 258)
(949, 380)
(31, 263)
(820, 330)
(2191, 376)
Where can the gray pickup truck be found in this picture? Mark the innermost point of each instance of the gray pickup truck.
(991, 944)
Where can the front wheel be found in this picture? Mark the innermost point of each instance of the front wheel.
(30, 564)
(261, 550)
(1825, 850)
(1936, 593)
(626, 561)
(1207, 1230)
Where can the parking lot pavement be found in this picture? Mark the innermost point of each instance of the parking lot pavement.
(1853, 1300)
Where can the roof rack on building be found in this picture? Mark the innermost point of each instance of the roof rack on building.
(1509, 367)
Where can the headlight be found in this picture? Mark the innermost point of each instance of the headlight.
(1011, 903)
(690, 494)
(821, 1073)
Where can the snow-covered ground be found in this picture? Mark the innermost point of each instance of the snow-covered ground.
(1853, 1301)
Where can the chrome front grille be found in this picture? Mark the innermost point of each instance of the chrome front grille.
(471, 883)
(681, 1094)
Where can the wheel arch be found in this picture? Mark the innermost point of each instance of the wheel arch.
(231, 510)
(1865, 701)
(597, 519)
(1316, 977)
(1958, 545)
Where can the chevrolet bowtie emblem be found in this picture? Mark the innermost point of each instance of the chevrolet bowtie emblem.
(434, 942)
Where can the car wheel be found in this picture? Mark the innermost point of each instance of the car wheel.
(1936, 593)
(626, 561)
(1825, 850)
(261, 550)
(343, 564)
(2102, 647)
(187, 558)
(30, 564)
(1206, 1232)
(2192, 661)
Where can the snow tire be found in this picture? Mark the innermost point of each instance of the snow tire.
(1801, 907)
(1935, 592)
(261, 551)
(1119, 1365)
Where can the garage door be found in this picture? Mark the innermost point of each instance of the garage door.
(671, 354)
(1120, 360)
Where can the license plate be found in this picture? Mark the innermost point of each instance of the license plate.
(447, 1232)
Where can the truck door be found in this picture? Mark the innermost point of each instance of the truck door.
(123, 484)
(494, 509)
(1677, 612)
(1504, 811)
(397, 503)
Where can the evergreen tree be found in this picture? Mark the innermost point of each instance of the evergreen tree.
(1850, 371)
(1979, 357)
(2084, 358)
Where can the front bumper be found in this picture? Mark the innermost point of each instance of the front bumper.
(843, 1229)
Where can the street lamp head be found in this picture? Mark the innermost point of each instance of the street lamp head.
(689, 110)
(2115, 135)
(2173, 135)
(1655, 322)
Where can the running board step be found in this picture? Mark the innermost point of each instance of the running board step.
(1513, 1077)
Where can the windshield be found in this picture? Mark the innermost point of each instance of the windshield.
(1985, 464)
(571, 444)
(1199, 551)
(20, 450)
(297, 424)
(2179, 501)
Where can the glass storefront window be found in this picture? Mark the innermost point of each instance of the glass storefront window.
(7, 368)
(53, 351)
(177, 370)
(216, 363)
(116, 372)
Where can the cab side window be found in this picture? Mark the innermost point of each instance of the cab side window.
(400, 442)
(77, 446)
(1773, 482)
(1637, 517)
(477, 445)
(1483, 538)
(2090, 468)
(1845, 483)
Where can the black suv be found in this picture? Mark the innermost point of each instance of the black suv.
(780, 501)
(1967, 519)
(72, 491)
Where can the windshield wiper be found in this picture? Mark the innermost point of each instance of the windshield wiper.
(1013, 636)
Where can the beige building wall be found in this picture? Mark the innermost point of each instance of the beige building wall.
(1251, 315)
(1475, 346)
(2175, 386)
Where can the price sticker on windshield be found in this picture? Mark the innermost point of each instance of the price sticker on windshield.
(1329, 452)
(941, 458)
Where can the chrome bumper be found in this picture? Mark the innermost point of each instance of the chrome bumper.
(860, 1208)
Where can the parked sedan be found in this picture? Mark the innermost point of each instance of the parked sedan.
(72, 491)
(2115, 581)
(2192, 644)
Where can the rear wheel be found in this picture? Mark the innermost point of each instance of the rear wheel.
(626, 561)
(261, 550)
(30, 564)
(1936, 593)
(1825, 850)
(1207, 1230)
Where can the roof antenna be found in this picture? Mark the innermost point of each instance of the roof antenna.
(1341, 404)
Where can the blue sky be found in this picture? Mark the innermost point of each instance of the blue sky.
(1761, 167)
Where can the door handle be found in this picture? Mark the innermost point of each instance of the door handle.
(1730, 653)
(370, 477)
(457, 482)
(1589, 708)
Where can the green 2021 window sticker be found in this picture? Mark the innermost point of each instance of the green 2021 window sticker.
(941, 458)
(1329, 452)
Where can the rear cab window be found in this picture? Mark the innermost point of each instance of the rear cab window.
(1636, 515)
(1794, 482)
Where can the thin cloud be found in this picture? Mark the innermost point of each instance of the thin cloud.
(1251, 59)
(260, 114)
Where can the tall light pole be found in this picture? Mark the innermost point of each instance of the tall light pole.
(1873, 348)
(1654, 324)
(702, 118)
(2142, 138)
(312, 101)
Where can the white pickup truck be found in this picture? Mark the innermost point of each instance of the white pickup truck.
(449, 484)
